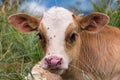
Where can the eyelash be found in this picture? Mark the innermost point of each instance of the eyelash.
(42, 40)
(40, 36)
(71, 38)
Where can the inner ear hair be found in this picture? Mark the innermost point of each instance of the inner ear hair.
(24, 22)
(94, 21)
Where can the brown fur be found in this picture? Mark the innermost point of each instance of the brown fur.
(42, 31)
(23, 22)
(99, 56)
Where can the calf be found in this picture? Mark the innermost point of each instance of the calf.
(74, 47)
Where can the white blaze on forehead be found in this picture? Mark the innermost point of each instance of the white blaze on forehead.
(56, 21)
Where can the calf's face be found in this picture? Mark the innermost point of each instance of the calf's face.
(58, 31)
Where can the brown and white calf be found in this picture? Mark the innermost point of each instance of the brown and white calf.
(74, 47)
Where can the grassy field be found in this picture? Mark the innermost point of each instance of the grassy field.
(19, 52)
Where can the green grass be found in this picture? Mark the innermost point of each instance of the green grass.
(104, 7)
(19, 52)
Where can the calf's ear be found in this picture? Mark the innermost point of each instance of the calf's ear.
(93, 22)
(23, 22)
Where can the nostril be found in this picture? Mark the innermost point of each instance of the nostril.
(48, 60)
(59, 62)
(60, 59)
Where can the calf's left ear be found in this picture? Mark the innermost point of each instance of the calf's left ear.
(93, 22)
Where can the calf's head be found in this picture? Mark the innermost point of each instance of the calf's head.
(59, 33)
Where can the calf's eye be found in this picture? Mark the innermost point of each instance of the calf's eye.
(72, 37)
(42, 40)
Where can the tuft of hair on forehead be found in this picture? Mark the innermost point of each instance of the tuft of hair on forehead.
(58, 13)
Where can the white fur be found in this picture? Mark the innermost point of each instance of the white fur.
(57, 19)
(35, 75)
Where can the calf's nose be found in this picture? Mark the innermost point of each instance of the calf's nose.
(53, 62)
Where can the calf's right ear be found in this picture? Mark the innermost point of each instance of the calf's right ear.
(23, 22)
